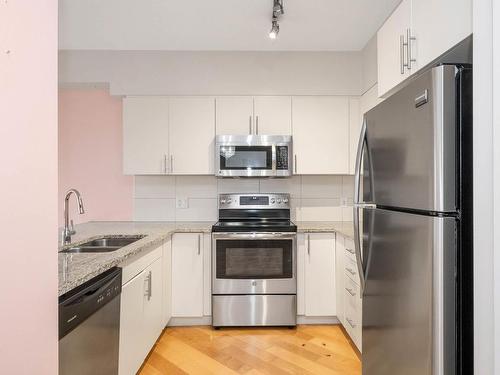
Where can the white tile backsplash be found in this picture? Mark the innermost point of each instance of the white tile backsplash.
(154, 187)
(313, 198)
(321, 187)
(154, 209)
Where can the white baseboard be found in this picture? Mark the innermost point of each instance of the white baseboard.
(302, 319)
(195, 321)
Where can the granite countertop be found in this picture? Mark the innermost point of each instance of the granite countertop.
(346, 228)
(76, 269)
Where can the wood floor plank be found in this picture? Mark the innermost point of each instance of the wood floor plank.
(308, 350)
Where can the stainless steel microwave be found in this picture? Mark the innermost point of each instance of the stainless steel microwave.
(253, 155)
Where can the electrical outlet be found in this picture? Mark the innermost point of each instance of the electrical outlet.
(182, 203)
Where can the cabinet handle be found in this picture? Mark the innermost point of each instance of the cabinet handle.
(256, 124)
(149, 282)
(402, 54)
(250, 124)
(350, 271)
(308, 244)
(165, 163)
(295, 162)
(171, 163)
(350, 251)
(199, 244)
(350, 323)
(351, 292)
(409, 39)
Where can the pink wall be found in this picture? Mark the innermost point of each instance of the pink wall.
(90, 155)
(28, 189)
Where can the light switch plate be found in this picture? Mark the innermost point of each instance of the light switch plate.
(182, 202)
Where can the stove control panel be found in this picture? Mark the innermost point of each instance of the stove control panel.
(254, 201)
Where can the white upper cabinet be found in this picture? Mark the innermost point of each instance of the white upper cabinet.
(320, 134)
(354, 131)
(187, 275)
(437, 26)
(234, 115)
(320, 292)
(145, 135)
(418, 32)
(192, 134)
(391, 55)
(273, 115)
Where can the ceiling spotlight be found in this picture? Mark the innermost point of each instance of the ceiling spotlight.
(277, 12)
(274, 30)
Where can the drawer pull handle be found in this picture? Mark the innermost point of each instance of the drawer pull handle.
(350, 251)
(350, 323)
(351, 271)
(351, 292)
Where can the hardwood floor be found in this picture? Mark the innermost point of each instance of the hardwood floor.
(202, 350)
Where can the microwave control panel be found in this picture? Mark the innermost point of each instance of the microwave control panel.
(282, 157)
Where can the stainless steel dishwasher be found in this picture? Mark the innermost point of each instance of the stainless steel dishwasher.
(89, 326)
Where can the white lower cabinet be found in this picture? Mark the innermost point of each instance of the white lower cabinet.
(339, 276)
(187, 275)
(141, 310)
(319, 275)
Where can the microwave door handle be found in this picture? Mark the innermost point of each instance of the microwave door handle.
(273, 148)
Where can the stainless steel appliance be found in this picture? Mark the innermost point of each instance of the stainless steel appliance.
(89, 326)
(414, 227)
(254, 262)
(253, 156)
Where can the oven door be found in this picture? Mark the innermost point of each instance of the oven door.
(254, 263)
(246, 160)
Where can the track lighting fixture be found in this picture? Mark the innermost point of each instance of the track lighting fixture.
(277, 12)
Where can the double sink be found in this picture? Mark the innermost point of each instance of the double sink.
(103, 245)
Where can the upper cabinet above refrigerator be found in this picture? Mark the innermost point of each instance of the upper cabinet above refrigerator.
(417, 33)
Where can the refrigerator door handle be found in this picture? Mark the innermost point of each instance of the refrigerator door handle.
(359, 156)
(357, 204)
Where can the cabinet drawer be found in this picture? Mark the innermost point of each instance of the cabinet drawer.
(353, 311)
(350, 252)
(136, 264)
(351, 269)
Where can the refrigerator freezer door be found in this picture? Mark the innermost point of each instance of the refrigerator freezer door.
(411, 138)
(409, 294)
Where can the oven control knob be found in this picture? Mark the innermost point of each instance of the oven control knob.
(285, 200)
(272, 200)
(229, 200)
(279, 200)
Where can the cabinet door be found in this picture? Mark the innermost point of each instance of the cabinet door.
(145, 135)
(273, 115)
(132, 340)
(321, 134)
(354, 131)
(192, 134)
(234, 115)
(390, 52)
(339, 276)
(187, 275)
(301, 274)
(320, 275)
(437, 26)
(153, 302)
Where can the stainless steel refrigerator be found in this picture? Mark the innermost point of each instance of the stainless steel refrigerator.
(414, 224)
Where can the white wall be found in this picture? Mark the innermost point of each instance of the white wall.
(28, 192)
(486, 19)
(215, 73)
(313, 198)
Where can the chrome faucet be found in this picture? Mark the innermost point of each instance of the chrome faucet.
(67, 231)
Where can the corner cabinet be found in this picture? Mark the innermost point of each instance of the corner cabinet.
(320, 134)
(187, 275)
(418, 32)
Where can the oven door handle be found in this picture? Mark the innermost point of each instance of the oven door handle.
(255, 236)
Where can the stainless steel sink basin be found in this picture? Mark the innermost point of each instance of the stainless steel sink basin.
(103, 245)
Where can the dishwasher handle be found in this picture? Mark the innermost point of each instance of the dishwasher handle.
(78, 304)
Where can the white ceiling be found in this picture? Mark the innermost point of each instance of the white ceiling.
(222, 25)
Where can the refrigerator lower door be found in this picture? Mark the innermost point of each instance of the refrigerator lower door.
(409, 296)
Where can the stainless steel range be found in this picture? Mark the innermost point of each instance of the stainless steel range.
(254, 262)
